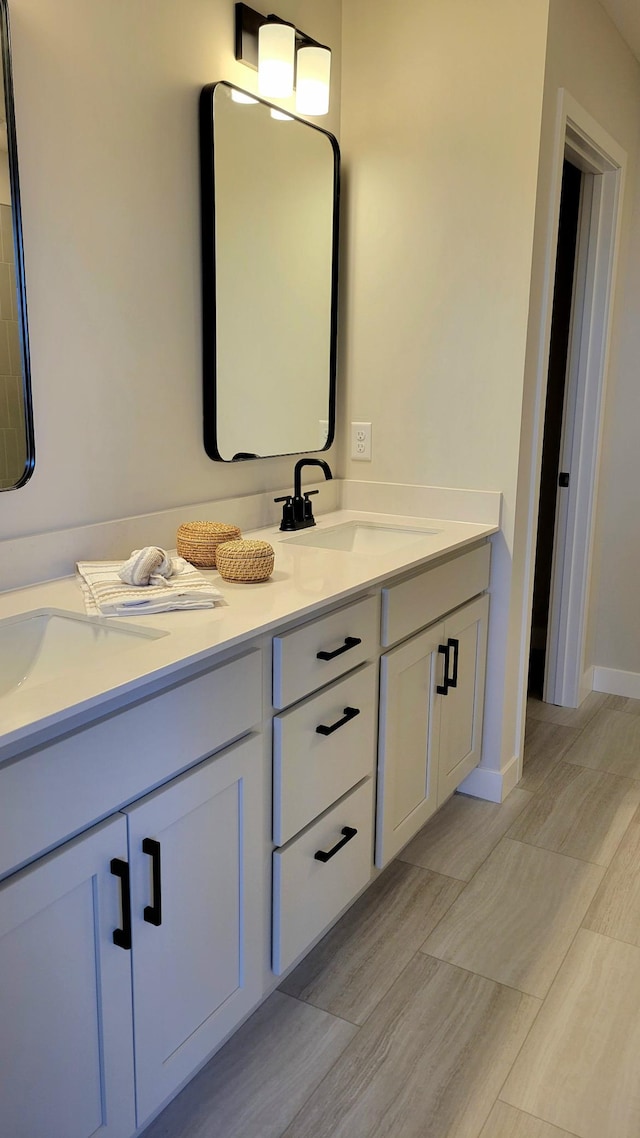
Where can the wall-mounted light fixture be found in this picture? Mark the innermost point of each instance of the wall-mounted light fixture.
(285, 59)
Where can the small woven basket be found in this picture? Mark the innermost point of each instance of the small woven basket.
(245, 560)
(197, 542)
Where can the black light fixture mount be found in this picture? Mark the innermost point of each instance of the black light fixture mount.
(248, 24)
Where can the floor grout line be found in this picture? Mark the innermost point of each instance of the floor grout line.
(345, 1051)
(607, 936)
(482, 976)
(561, 853)
(565, 1133)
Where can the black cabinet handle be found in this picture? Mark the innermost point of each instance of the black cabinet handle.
(122, 937)
(449, 681)
(455, 644)
(349, 713)
(349, 642)
(444, 649)
(326, 855)
(153, 913)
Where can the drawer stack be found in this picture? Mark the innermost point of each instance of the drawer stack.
(324, 759)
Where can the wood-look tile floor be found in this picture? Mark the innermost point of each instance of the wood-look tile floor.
(486, 986)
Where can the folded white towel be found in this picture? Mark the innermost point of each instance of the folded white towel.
(106, 594)
(148, 566)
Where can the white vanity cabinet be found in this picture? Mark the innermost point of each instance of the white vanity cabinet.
(152, 888)
(139, 945)
(66, 1044)
(197, 945)
(431, 695)
(324, 763)
(461, 704)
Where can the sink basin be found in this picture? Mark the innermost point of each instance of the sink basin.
(362, 537)
(37, 646)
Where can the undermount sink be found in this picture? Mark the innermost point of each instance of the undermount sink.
(37, 646)
(362, 537)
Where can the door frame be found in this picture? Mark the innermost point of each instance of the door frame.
(603, 162)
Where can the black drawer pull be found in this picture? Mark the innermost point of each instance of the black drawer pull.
(455, 644)
(349, 713)
(122, 937)
(153, 913)
(449, 681)
(349, 642)
(443, 689)
(349, 833)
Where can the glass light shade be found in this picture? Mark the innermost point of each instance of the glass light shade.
(281, 116)
(276, 51)
(312, 81)
(241, 97)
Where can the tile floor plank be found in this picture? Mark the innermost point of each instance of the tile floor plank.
(462, 834)
(259, 1080)
(615, 909)
(567, 716)
(622, 703)
(429, 1061)
(507, 1122)
(545, 744)
(515, 921)
(611, 742)
(579, 812)
(580, 1066)
(352, 968)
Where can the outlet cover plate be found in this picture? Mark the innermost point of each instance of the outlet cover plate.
(361, 442)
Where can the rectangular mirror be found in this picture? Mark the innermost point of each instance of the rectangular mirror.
(16, 421)
(270, 189)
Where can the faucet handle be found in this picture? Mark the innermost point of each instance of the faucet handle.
(288, 520)
(308, 508)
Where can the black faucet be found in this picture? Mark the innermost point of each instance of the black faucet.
(297, 511)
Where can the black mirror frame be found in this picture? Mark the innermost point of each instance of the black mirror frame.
(21, 295)
(207, 214)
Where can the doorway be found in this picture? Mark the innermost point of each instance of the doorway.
(552, 480)
(557, 619)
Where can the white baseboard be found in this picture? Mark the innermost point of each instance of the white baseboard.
(586, 684)
(492, 785)
(614, 681)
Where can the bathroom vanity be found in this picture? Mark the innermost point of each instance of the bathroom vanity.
(180, 826)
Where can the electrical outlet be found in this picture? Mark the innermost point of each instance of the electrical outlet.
(361, 442)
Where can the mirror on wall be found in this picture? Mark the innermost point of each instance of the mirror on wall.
(16, 421)
(270, 256)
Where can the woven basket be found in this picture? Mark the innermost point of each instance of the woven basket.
(197, 542)
(245, 560)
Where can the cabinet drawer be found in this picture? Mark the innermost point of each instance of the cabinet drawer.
(345, 637)
(119, 758)
(312, 768)
(420, 600)
(308, 893)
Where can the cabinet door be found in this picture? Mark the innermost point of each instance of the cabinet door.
(66, 1056)
(198, 937)
(461, 711)
(407, 775)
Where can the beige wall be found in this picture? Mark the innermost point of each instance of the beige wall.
(106, 110)
(440, 131)
(587, 56)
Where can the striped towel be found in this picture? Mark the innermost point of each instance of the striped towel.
(105, 594)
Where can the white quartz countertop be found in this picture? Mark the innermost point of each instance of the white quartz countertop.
(305, 581)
